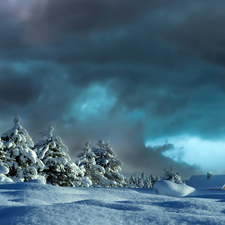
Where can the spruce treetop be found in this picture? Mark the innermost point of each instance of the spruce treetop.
(17, 119)
(17, 134)
(48, 133)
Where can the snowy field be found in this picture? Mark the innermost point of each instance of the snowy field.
(37, 203)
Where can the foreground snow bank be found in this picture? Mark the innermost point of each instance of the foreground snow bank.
(36, 203)
(169, 188)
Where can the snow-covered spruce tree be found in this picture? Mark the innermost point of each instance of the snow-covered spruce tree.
(172, 176)
(4, 156)
(18, 156)
(59, 169)
(146, 180)
(137, 182)
(93, 174)
(141, 181)
(106, 158)
(128, 182)
(132, 182)
(154, 179)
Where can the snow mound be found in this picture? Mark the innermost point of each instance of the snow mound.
(169, 188)
(4, 170)
(5, 179)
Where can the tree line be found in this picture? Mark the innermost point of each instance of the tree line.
(49, 161)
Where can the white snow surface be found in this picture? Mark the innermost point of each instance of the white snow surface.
(36, 203)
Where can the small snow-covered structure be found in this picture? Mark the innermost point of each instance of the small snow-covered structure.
(216, 182)
(58, 169)
(209, 174)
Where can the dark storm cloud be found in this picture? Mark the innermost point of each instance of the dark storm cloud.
(16, 90)
(180, 26)
(84, 16)
(162, 62)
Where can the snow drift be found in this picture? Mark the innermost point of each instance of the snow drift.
(169, 188)
(36, 203)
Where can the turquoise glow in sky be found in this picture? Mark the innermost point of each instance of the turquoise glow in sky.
(209, 155)
(93, 102)
(97, 102)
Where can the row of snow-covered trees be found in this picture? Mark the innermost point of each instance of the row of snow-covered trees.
(145, 181)
(49, 161)
(44, 161)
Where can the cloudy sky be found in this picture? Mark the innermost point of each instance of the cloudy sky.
(149, 75)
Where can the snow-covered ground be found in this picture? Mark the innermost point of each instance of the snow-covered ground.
(37, 203)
